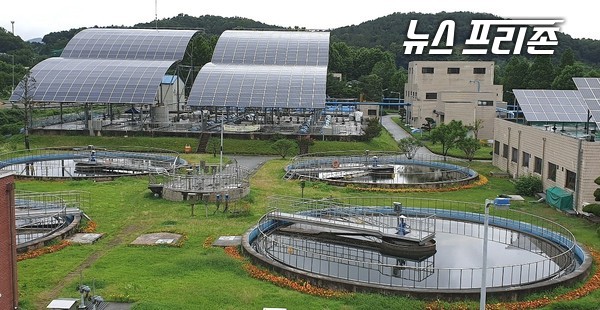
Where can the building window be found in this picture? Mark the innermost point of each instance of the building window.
(552, 171)
(427, 70)
(505, 151)
(371, 112)
(485, 103)
(453, 70)
(570, 181)
(478, 70)
(497, 147)
(526, 157)
(430, 95)
(514, 155)
(537, 165)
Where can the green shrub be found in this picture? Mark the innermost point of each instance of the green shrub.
(597, 194)
(528, 185)
(593, 208)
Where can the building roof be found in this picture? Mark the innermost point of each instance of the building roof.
(265, 69)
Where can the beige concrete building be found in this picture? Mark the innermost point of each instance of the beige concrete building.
(557, 158)
(453, 90)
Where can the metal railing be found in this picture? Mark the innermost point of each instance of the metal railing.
(555, 247)
(38, 214)
(345, 166)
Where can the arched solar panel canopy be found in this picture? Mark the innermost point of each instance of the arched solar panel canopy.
(140, 44)
(282, 48)
(97, 80)
(262, 86)
(108, 66)
(265, 69)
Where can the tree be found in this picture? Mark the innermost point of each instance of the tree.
(475, 127)
(567, 58)
(564, 79)
(371, 86)
(469, 146)
(410, 146)
(541, 73)
(283, 147)
(25, 90)
(214, 145)
(373, 129)
(515, 74)
(448, 135)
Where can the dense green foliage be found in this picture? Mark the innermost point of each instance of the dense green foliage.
(528, 185)
(409, 146)
(283, 147)
(448, 135)
(370, 56)
(593, 208)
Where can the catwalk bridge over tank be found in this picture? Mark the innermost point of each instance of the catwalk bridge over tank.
(389, 223)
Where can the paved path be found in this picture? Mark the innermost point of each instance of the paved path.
(399, 133)
(251, 162)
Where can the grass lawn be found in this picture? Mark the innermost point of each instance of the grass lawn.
(192, 275)
(484, 153)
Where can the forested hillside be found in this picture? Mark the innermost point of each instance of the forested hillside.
(370, 55)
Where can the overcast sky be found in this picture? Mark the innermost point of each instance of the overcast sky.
(35, 18)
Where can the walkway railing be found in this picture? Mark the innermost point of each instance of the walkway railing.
(556, 246)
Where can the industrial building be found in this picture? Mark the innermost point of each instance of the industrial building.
(557, 141)
(441, 91)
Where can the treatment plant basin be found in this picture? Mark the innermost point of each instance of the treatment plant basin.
(379, 169)
(426, 248)
(89, 162)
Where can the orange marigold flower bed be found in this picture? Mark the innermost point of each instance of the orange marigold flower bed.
(591, 285)
(90, 227)
(45, 250)
(208, 242)
(300, 286)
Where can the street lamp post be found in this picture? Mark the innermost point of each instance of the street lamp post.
(501, 204)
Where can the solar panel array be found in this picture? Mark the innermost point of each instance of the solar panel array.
(264, 86)
(146, 44)
(265, 69)
(108, 66)
(93, 80)
(272, 48)
(590, 91)
(551, 105)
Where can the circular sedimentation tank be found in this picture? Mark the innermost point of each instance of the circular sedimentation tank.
(420, 247)
(89, 162)
(379, 169)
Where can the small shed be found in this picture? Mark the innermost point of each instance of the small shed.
(559, 198)
(63, 304)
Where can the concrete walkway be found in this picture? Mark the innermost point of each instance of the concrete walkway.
(399, 133)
